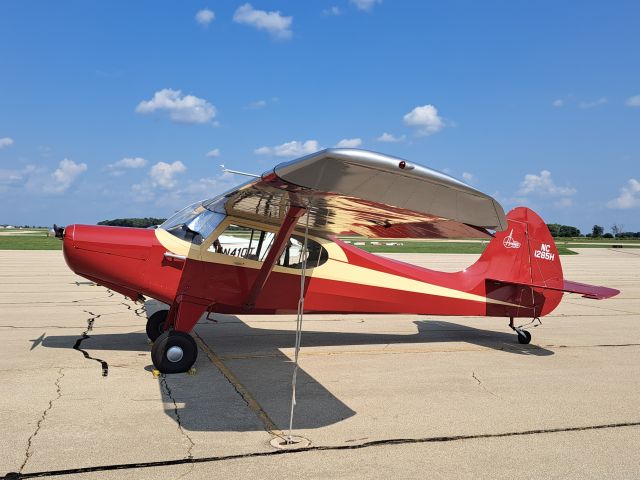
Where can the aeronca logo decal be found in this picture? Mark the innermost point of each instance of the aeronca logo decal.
(544, 252)
(509, 242)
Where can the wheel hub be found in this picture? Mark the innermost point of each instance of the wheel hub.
(175, 354)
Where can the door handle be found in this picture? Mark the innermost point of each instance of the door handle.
(174, 256)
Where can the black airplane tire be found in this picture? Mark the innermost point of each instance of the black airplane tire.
(155, 324)
(524, 337)
(174, 352)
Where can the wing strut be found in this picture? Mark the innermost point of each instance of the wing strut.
(289, 223)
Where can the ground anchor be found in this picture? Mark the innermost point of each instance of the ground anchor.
(290, 443)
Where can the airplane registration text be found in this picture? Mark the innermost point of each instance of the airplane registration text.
(545, 252)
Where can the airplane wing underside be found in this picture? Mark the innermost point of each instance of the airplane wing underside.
(366, 193)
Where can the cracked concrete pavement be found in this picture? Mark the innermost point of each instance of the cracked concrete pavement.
(377, 395)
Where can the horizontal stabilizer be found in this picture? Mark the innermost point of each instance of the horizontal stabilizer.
(588, 291)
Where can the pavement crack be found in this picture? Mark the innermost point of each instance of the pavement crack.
(482, 385)
(327, 448)
(169, 393)
(46, 411)
(84, 336)
(139, 311)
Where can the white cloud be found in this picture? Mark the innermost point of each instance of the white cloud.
(205, 16)
(258, 104)
(182, 193)
(349, 143)
(128, 162)
(629, 196)
(213, 153)
(64, 176)
(365, 5)
(630, 102)
(543, 184)
(181, 108)
(593, 103)
(277, 25)
(38, 180)
(15, 178)
(6, 142)
(468, 177)
(290, 149)
(558, 103)
(332, 12)
(425, 119)
(208, 187)
(164, 174)
(389, 138)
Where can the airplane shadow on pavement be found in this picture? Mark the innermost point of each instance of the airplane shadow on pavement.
(205, 401)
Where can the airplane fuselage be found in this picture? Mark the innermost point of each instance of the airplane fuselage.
(156, 264)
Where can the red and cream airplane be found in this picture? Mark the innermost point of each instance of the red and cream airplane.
(250, 249)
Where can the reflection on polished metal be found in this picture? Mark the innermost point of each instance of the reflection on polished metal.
(374, 195)
(175, 354)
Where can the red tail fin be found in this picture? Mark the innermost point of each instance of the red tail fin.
(524, 253)
(522, 266)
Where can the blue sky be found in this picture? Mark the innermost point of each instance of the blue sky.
(109, 109)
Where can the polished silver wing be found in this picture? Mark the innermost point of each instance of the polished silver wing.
(366, 193)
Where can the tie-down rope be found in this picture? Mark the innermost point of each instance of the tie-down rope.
(298, 327)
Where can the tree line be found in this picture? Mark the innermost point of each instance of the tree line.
(145, 222)
(617, 231)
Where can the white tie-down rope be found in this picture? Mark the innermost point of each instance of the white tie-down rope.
(298, 327)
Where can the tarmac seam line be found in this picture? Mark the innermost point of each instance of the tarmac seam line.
(273, 453)
(269, 425)
(29, 450)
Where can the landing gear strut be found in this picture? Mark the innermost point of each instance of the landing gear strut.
(524, 337)
(174, 349)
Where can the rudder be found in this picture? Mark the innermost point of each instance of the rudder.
(524, 253)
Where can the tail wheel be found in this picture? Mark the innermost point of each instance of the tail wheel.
(174, 352)
(155, 324)
(524, 337)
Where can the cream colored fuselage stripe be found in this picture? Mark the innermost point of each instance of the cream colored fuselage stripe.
(334, 269)
(174, 245)
(346, 272)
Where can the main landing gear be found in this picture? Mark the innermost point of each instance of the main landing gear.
(524, 337)
(174, 350)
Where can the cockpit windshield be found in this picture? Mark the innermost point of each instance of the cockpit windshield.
(195, 222)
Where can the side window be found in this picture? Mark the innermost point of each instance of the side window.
(243, 242)
(292, 256)
(254, 244)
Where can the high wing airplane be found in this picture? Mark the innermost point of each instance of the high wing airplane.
(250, 249)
